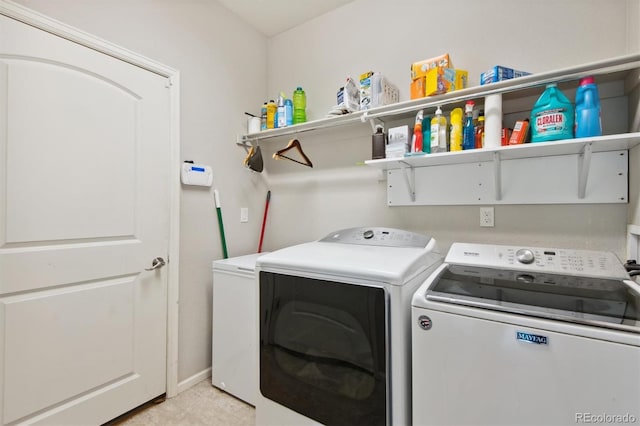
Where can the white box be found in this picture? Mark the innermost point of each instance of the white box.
(399, 134)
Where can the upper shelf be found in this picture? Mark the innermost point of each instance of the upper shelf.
(610, 67)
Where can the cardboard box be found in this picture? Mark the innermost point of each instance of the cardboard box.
(420, 68)
(417, 88)
(441, 80)
(499, 73)
(519, 134)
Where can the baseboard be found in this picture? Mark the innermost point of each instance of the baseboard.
(193, 380)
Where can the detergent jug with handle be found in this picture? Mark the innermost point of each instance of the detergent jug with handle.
(552, 116)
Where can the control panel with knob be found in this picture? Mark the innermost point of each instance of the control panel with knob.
(552, 260)
(525, 256)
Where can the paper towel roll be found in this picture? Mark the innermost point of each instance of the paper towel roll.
(492, 121)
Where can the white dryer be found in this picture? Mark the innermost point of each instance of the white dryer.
(335, 328)
(506, 335)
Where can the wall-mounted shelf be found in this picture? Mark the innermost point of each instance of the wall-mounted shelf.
(578, 151)
(587, 170)
(610, 69)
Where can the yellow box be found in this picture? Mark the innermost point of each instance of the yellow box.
(441, 80)
(420, 68)
(417, 88)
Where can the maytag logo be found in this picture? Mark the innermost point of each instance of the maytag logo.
(531, 338)
(471, 253)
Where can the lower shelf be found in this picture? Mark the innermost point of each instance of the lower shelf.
(598, 177)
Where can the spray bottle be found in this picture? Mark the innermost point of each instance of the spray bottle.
(417, 140)
(468, 130)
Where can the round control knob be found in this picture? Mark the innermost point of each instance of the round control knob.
(525, 256)
(368, 234)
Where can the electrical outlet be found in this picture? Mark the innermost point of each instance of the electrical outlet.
(486, 217)
(244, 214)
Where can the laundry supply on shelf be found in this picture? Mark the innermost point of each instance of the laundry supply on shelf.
(439, 132)
(398, 138)
(455, 137)
(299, 106)
(416, 140)
(468, 128)
(587, 112)
(499, 73)
(378, 143)
(552, 116)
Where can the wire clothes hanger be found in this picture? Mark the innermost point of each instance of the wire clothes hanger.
(293, 143)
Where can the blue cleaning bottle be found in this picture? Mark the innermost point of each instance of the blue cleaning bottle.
(587, 121)
(552, 116)
(468, 129)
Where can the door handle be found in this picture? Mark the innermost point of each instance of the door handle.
(156, 263)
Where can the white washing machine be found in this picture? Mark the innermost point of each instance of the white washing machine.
(506, 335)
(335, 328)
(234, 363)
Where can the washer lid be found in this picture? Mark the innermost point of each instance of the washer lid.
(611, 303)
(386, 264)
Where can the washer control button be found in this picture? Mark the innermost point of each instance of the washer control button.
(525, 256)
(368, 234)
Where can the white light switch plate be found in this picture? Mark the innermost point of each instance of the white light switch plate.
(244, 214)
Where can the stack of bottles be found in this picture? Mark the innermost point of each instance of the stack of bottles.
(284, 112)
(554, 117)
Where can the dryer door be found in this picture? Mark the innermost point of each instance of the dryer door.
(323, 350)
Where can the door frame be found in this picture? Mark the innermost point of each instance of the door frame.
(42, 22)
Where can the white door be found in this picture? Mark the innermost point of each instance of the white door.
(84, 209)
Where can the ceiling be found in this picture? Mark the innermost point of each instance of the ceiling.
(272, 17)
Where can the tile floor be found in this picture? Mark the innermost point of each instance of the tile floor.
(202, 404)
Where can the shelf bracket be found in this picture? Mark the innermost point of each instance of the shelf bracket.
(584, 162)
(497, 177)
(409, 174)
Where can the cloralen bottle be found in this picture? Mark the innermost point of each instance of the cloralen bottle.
(468, 129)
(588, 121)
(439, 132)
(299, 106)
(552, 116)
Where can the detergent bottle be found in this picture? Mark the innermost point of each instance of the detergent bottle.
(455, 138)
(439, 132)
(552, 116)
(588, 121)
(426, 134)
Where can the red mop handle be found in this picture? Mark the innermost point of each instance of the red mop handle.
(264, 221)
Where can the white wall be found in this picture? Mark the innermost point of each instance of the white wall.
(222, 63)
(224, 68)
(388, 36)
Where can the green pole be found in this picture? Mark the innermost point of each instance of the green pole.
(220, 224)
